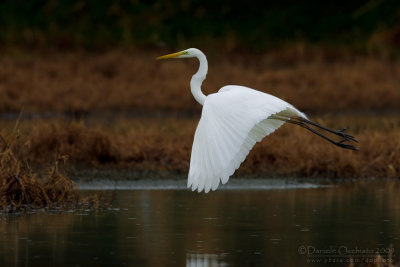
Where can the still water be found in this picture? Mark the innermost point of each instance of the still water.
(283, 224)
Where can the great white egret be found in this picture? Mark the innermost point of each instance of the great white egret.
(232, 121)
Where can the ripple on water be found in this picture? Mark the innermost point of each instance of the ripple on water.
(173, 184)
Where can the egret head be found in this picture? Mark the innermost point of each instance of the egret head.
(191, 52)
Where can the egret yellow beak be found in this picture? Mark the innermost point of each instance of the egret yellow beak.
(174, 55)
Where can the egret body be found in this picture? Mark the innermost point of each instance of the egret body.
(232, 121)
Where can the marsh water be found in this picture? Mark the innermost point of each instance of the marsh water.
(251, 223)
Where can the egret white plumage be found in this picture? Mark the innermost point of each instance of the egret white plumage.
(232, 121)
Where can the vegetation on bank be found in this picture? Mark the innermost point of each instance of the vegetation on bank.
(162, 146)
(123, 110)
(314, 80)
(23, 187)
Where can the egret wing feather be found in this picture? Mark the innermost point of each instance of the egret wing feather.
(232, 121)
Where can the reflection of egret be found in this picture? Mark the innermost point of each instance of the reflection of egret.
(232, 121)
(202, 260)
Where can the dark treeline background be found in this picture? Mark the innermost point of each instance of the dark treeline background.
(258, 24)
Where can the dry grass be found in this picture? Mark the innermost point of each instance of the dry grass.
(311, 79)
(163, 146)
(131, 81)
(22, 189)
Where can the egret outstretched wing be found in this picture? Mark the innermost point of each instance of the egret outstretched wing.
(232, 121)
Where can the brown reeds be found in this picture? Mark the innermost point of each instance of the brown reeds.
(313, 80)
(163, 146)
(131, 82)
(20, 187)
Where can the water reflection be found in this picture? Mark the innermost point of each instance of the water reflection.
(204, 260)
(225, 228)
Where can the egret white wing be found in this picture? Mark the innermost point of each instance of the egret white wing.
(232, 121)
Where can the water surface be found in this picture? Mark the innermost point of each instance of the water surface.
(291, 225)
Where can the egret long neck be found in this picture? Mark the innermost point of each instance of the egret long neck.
(198, 78)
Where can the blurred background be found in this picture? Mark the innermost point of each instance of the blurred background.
(81, 93)
(259, 25)
(83, 78)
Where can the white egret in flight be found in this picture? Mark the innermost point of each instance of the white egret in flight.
(232, 121)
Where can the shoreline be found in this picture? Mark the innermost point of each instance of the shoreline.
(234, 183)
(123, 110)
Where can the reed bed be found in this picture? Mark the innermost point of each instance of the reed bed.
(150, 114)
(314, 80)
(22, 188)
(163, 146)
